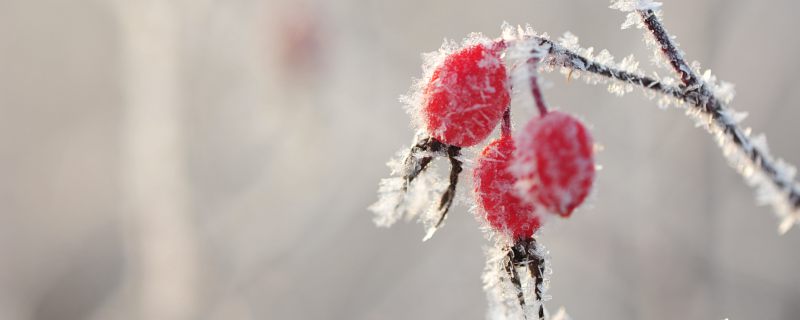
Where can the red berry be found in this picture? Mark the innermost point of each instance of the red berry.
(466, 96)
(554, 162)
(494, 188)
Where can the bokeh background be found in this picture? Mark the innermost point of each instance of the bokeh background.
(201, 159)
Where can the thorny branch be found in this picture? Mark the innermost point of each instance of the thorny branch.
(693, 91)
(702, 97)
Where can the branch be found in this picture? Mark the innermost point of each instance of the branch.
(711, 105)
(751, 160)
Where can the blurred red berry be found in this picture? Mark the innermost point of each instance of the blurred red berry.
(554, 162)
(494, 188)
(466, 96)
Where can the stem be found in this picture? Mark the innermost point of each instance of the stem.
(535, 89)
(456, 167)
(711, 105)
(537, 95)
(505, 126)
(669, 48)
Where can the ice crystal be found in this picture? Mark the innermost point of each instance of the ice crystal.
(561, 314)
(738, 156)
(502, 294)
(569, 41)
(630, 20)
(633, 5)
(416, 202)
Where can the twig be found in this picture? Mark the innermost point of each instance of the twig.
(456, 167)
(535, 90)
(505, 125)
(711, 105)
(693, 91)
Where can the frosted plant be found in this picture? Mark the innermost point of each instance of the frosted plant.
(546, 169)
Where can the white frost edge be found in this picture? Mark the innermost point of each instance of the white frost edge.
(633, 5)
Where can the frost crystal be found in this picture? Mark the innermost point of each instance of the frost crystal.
(502, 293)
(569, 41)
(767, 193)
(417, 202)
(632, 19)
(633, 5)
(561, 315)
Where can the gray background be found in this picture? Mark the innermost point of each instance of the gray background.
(188, 160)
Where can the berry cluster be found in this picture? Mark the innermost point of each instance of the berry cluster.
(519, 178)
(547, 167)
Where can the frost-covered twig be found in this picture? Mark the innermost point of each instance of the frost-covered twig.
(548, 166)
(781, 175)
(570, 59)
(749, 155)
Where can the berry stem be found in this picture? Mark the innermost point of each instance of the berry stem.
(414, 164)
(505, 126)
(537, 93)
(456, 167)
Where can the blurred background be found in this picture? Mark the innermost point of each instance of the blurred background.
(176, 159)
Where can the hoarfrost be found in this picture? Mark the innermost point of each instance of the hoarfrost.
(503, 294)
(390, 196)
(561, 314)
(604, 58)
(417, 202)
(724, 91)
(519, 32)
(633, 5)
(629, 64)
(630, 20)
(500, 292)
(766, 190)
(569, 41)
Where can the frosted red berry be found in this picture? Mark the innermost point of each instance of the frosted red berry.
(466, 96)
(554, 162)
(494, 189)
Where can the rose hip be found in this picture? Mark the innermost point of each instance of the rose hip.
(466, 96)
(494, 188)
(554, 162)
